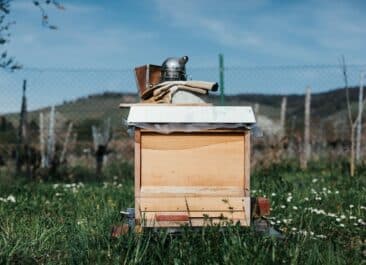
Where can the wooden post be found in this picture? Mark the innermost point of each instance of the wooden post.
(51, 138)
(256, 109)
(101, 138)
(307, 146)
(359, 119)
(21, 152)
(283, 115)
(41, 140)
(66, 142)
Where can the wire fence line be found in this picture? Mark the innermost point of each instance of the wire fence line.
(89, 97)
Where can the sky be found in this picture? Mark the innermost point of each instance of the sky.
(119, 35)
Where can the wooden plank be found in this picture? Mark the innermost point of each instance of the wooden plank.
(247, 163)
(191, 191)
(180, 159)
(194, 222)
(129, 105)
(194, 204)
(192, 215)
(137, 171)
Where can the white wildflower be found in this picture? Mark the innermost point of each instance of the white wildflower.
(294, 229)
(341, 225)
(273, 194)
(11, 198)
(283, 206)
(343, 216)
(318, 198)
(363, 207)
(306, 199)
(315, 180)
(58, 194)
(294, 207)
(55, 186)
(289, 199)
(336, 192)
(351, 206)
(321, 236)
(338, 219)
(352, 217)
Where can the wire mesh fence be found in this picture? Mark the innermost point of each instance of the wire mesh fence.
(89, 97)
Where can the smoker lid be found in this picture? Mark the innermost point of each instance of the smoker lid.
(191, 114)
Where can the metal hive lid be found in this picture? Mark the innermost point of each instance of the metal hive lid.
(191, 114)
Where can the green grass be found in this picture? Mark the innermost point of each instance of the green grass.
(321, 213)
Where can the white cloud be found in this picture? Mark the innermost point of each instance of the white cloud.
(311, 32)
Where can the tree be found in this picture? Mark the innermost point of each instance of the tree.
(6, 61)
(353, 122)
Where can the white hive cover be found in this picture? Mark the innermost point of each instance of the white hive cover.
(191, 114)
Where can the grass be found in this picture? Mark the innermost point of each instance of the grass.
(321, 213)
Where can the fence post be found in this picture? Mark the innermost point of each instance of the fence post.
(221, 68)
(283, 115)
(359, 118)
(307, 147)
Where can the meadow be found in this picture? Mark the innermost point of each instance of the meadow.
(321, 213)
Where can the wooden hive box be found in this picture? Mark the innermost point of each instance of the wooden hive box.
(192, 165)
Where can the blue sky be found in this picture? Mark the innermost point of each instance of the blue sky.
(123, 34)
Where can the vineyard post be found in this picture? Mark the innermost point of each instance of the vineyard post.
(307, 146)
(283, 115)
(359, 118)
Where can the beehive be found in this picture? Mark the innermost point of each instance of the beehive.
(192, 164)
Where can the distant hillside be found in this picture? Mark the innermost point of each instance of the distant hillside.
(92, 109)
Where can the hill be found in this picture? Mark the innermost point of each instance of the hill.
(93, 109)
